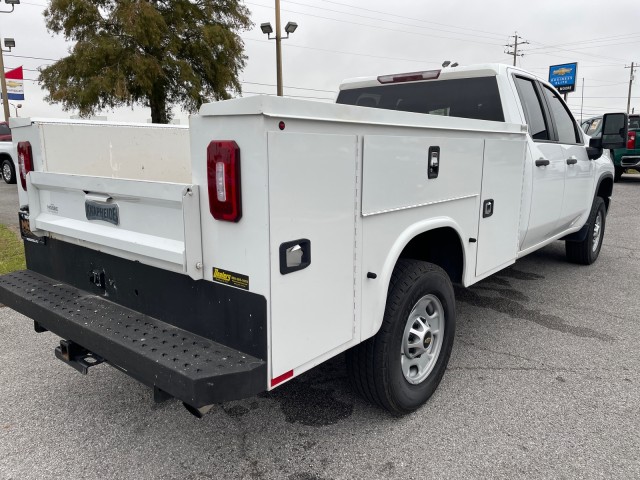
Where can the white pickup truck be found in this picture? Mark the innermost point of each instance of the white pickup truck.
(7, 162)
(219, 261)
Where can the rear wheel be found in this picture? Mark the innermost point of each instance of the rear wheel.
(8, 172)
(586, 252)
(402, 365)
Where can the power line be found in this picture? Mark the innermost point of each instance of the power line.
(425, 62)
(377, 27)
(500, 35)
(389, 21)
(573, 51)
(582, 42)
(285, 86)
(34, 58)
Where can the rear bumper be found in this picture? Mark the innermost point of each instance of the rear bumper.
(189, 367)
(630, 161)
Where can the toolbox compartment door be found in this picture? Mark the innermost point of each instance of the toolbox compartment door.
(500, 204)
(312, 204)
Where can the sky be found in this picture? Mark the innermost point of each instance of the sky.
(338, 39)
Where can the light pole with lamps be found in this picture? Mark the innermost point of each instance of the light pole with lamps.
(9, 43)
(267, 29)
(13, 4)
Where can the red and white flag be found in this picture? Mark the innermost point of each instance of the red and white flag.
(15, 84)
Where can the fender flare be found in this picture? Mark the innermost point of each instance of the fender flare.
(581, 234)
(393, 255)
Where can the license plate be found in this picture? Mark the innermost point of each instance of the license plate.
(107, 212)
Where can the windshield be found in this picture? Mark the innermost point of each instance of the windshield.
(463, 97)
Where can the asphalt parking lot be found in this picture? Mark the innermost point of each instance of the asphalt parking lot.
(543, 383)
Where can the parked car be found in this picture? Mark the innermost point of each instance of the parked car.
(5, 132)
(628, 158)
(7, 163)
(623, 158)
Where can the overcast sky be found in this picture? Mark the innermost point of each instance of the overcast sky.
(340, 39)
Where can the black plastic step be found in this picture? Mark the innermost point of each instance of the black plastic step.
(189, 367)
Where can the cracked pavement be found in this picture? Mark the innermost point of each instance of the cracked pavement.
(543, 382)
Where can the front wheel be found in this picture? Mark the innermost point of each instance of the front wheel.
(586, 252)
(8, 172)
(402, 365)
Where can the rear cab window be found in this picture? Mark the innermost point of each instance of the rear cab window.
(4, 129)
(476, 98)
(547, 117)
(532, 106)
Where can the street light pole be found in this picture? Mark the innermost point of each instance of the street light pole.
(3, 83)
(278, 50)
(267, 29)
(3, 80)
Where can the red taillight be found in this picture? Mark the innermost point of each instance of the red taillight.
(631, 140)
(223, 172)
(410, 77)
(25, 162)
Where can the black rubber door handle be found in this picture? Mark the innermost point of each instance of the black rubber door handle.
(542, 163)
(571, 161)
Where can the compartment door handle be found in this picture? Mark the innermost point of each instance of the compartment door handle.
(295, 255)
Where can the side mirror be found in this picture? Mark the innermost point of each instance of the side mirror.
(615, 127)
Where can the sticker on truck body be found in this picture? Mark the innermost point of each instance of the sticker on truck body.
(230, 278)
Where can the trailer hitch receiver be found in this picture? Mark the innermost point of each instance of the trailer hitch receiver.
(76, 356)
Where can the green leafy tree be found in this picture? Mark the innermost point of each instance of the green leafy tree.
(157, 53)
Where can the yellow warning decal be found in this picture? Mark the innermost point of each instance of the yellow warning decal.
(230, 278)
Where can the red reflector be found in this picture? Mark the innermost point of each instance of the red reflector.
(410, 77)
(25, 162)
(282, 378)
(223, 177)
(631, 140)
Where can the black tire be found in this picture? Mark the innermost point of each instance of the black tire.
(8, 171)
(583, 252)
(618, 174)
(375, 366)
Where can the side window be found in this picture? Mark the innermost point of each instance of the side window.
(532, 109)
(4, 129)
(565, 125)
(594, 128)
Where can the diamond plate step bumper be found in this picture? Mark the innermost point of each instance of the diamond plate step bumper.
(187, 366)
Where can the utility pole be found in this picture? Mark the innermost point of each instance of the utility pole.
(3, 83)
(515, 46)
(630, 84)
(582, 100)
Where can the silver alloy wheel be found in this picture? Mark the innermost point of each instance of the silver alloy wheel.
(6, 172)
(422, 339)
(597, 232)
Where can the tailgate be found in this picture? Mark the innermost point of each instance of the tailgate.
(155, 223)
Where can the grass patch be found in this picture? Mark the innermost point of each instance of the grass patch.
(11, 251)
